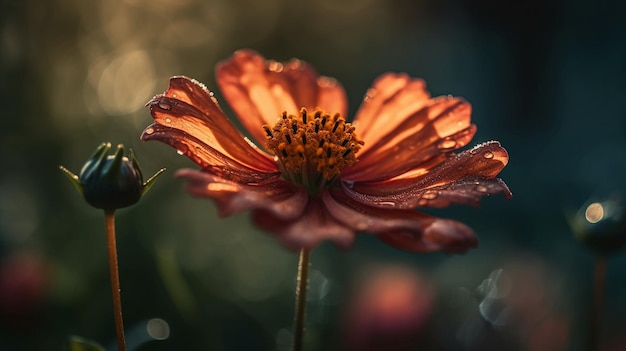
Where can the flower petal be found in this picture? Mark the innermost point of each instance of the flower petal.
(314, 226)
(442, 235)
(392, 98)
(441, 126)
(199, 152)
(275, 196)
(187, 116)
(464, 178)
(405, 229)
(259, 91)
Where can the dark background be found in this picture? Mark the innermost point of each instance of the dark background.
(546, 79)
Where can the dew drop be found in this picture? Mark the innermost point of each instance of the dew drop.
(275, 66)
(211, 93)
(180, 152)
(430, 195)
(481, 188)
(165, 105)
(168, 120)
(446, 144)
(488, 155)
(387, 203)
(149, 131)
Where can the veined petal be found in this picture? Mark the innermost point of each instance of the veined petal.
(187, 113)
(405, 229)
(441, 126)
(392, 98)
(199, 152)
(275, 196)
(314, 226)
(259, 91)
(464, 178)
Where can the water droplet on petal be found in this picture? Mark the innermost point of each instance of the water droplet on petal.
(446, 144)
(429, 195)
(481, 188)
(180, 152)
(149, 131)
(275, 66)
(488, 154)
(168, 120)
(387, 203)
(165, 105)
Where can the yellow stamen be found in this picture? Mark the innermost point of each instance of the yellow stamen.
(312, 151)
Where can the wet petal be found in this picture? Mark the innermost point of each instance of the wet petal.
(275, 196)
(392, 98)
(314, 226)
(464, 178)
(405, 229)
(187, 115)
(199, 152)
(442, 235)
(259, 91)
(442, 126)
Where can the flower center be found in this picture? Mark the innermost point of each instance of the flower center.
(312, 149)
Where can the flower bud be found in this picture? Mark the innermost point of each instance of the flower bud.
(601, 224)
(113, 181)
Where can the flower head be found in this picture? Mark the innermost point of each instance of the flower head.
(317, 176)
(601, 224)
(110, 182)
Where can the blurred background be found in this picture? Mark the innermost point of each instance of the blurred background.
(546, 79)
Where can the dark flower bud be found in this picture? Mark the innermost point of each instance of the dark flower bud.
(113, 181)
(601, 224)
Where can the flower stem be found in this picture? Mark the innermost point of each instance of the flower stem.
(301, 289)
(599, 277)
(109, 218)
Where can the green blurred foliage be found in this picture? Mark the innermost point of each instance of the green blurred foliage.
(79, 344)
(546, 79)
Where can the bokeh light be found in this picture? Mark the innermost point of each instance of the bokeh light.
(594, 213)
(158, 329)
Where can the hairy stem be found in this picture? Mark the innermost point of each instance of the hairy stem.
(301, 289)
(109, 217)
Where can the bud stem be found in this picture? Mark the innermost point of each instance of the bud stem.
(301, 289)
(595, 323)
(109, 217)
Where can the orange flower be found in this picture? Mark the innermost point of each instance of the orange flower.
(317, 176)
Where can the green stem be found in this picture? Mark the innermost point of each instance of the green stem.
(301, 289)
(595, 322)
(109, 218)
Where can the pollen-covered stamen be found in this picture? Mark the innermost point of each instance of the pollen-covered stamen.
(312, 151)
